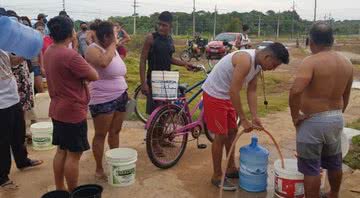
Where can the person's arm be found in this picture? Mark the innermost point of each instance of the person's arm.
(125, 39)
(252, 101)
(41, 64)
(89, 38)
(346, 95)
(81, 69)
(142, 69)
(178, 62)
(302, 80)
(75, 42)
(242, 64)
(99, 59)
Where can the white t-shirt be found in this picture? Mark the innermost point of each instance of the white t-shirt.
(245, 40)
(9, 95)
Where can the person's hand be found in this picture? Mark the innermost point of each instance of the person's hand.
(190, 67)
(297, 120)
(43, 72)
(246, 125)
(145, 89)
(257, 123)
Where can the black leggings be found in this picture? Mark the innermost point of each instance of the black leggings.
(12, 135)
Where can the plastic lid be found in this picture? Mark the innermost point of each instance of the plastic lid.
(122, 154)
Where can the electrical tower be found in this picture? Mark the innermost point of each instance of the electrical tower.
(135, 5)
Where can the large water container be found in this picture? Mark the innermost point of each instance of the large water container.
(19, 39)
(253, 167)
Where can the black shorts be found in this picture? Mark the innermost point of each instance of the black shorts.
(71, 137)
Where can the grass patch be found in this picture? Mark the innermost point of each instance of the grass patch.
(354, 125)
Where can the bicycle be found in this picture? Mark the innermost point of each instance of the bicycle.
(169, 126)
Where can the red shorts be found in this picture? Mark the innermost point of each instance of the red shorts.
(219, 115)
(121, 50)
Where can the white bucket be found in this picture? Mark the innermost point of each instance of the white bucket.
(122, 166)
(164, 85)
(346, 139)
(42, 135)
(289, 182)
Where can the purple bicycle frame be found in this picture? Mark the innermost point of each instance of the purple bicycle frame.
(185, 129)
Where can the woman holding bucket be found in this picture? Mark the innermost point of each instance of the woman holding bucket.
(108, 95)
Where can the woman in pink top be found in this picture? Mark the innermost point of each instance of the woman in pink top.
(108, 95)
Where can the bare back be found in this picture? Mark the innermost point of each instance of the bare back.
(330, 81)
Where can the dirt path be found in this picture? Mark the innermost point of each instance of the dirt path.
(189, 178)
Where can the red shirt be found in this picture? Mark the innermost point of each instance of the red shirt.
(47, 42)
(65, 73)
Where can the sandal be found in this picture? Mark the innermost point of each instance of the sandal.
(228, 186)
(233, 175)
(101, 178)
(32, 164)
(9, 185)
(323, 195)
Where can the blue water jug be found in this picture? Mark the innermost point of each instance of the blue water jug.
(19, 39)
(253, 167)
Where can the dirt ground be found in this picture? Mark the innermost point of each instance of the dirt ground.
(189, 178)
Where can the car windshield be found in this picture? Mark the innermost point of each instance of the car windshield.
(226, 37)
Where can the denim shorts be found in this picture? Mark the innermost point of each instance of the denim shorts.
(119, 104)
(318, 143)
(37, 71)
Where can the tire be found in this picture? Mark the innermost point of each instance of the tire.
(159, 121)
(185, 56)
(140, 107)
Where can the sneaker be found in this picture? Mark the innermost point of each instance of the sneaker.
(228, 186)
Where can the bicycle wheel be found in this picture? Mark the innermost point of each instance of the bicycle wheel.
(163, 145)
(185, 56)
(140, 108)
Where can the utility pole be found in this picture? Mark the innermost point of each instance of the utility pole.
(194, 18)
(63, 5)
(278, 26)
(215, 13)
(259, 26)
(293, 18)
(315, 8)
(135, 14)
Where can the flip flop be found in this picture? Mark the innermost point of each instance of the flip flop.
(32, 164)
(9, 185)
(228, 186)
(101, 178)
(233, 175)
(323, 195)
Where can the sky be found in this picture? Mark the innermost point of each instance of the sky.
(90, 9)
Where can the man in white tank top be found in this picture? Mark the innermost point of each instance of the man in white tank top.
(222, 104)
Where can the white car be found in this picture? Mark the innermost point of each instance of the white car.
(264, 44)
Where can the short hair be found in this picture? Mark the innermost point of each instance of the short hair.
(94, 25)
(25, 18)
(63, 13)
(245, 27)
(12, 13)
(166, 16)
(60, 28)
(322, 34)
(279, 51)
(104, 28)
(39, 23)
(83, 22)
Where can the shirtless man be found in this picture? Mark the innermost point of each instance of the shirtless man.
(318, 97)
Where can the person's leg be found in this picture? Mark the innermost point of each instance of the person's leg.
(38, 84)
(71, 170)
(58, 166)
(102, 123)
(312, 186)
(6, 125)
(217, 151)
(335, 178)
(115, 128)
(228, 142)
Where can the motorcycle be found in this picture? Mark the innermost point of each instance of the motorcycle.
(193, 50)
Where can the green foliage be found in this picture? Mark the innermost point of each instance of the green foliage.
(355, 125)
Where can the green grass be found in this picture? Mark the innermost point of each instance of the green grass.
(276, 85)
(354, 125)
